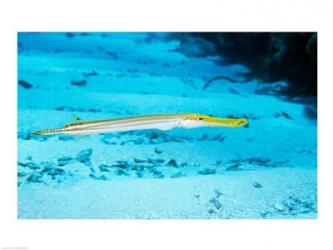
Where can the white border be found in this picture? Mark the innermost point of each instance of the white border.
(171, 15)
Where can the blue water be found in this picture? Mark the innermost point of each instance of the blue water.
(265, 170)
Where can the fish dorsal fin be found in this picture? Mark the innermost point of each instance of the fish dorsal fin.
(77, 119)
(75, 123)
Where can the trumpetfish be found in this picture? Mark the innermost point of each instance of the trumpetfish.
(161, 121)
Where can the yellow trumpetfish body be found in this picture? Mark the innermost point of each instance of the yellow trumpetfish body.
(162, 122)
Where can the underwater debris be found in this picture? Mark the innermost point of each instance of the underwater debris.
(79, 83)
(25, 84)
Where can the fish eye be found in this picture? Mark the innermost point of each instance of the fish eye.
(200, 118)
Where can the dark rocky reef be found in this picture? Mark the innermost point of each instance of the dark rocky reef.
(270, 57)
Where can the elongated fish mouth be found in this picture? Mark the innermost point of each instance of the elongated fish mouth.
(161, 121)
(228, 122)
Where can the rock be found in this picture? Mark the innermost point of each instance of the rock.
(207, 171)
(55, 171)
(121, 164)
(211, 211)
(172, 163)
(102, 177)
(84, 157)
(310, 111)
(177, 175)
(257, 185)
(136, 160)
(21, 174)
(159, 161)
(24, 84)
(122, 172)
(158, 151)
(35, 178)
(216, 203)
(65, 138)
(104, 168)
(32, 166)
(64, 160)
(80, 83)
